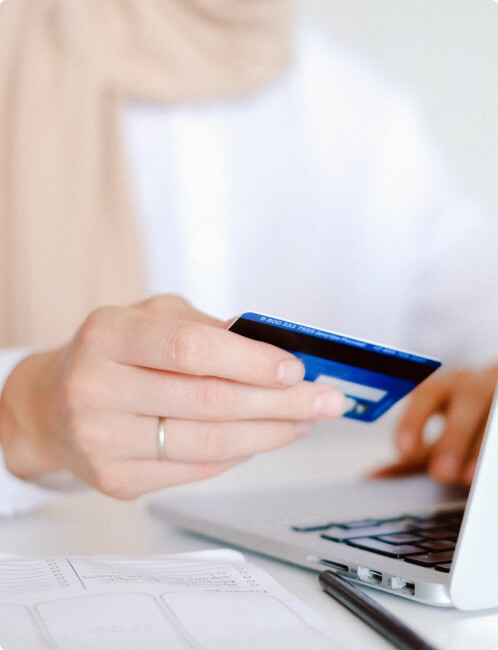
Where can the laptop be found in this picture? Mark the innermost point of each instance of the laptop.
(407, 536)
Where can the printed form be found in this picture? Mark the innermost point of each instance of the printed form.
(209, 600)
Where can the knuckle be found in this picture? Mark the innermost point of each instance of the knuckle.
(458, 381)
(261, 368)
(82, 391)
(465, 380)
(215, 398)
(176, 302)
(165, 303)
(184, 349)
(213, 445)
(155, 303)
(209, 469)
(95, 329)
(91, 440)
(468, 388)
(83, 441)
(108, 480)
(72, 391)
(298, 402)
(283, 434)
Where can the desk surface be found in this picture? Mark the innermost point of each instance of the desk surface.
(89, 523)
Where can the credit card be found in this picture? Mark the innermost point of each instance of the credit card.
(373, 377)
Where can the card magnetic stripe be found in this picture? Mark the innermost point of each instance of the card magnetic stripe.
(332, 350)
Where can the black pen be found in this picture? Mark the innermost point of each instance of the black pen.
(366, 608)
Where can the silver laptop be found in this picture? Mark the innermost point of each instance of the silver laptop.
(410, 536)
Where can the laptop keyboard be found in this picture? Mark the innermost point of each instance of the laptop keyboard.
(427, 541)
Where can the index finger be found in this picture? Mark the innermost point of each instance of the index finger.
(194, 348)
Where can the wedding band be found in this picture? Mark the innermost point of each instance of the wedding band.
(161, 454)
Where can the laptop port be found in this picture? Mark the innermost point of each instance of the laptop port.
(333, 565)
(399, 584)
(369, 575)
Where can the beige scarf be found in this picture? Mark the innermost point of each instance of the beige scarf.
(68, 237)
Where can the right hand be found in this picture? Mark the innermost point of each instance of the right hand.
(92, 407)
(463, 397)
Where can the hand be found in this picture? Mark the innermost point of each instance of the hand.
(464, 399)
(92, 407)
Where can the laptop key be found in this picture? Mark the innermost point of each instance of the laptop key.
(348, 525)
(438, 545)
(440, 533)
(342, 535)
(444, 568)
(455, 519)
(430, 559)
(360, 523)
(312, 529)
(437, 522)
(389, 550)
(401, 538)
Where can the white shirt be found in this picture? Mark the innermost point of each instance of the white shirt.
(321, 200)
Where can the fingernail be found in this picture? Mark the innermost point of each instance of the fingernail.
(405, 441)
(446, 466)
(330, 404)
(290, 372)
(304, 428)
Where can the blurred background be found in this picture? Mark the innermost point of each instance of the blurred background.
(446, 53)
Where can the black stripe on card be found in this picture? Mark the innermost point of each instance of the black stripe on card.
(333, 351)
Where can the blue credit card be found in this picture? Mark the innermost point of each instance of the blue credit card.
(373, 377)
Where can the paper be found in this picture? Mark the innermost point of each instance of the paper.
(210, 600)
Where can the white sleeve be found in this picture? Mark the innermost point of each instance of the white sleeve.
(423, 266)
(18, 496)
(451, 251)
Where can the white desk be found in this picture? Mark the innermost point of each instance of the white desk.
(89, 523)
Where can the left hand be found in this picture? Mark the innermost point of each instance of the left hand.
(464, 398)
(92, 406)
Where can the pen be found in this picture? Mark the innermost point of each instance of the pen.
(372, 613)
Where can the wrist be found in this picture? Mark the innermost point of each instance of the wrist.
(24, 418)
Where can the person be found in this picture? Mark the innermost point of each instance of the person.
(207, 151)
